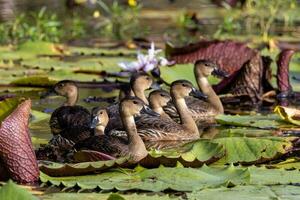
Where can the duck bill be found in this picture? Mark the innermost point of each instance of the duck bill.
(196, 93)
(155, 86)
(95, 121)
(219, 73)
(50, 92)
(149, 111)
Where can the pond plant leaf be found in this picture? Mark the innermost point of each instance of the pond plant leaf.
(155, 180)
(248, 81)
(249, 192)
(7, 106)
(253, 150)
(106, 196)
(283, 81)
(229, 55)
(194, 154)
(290, 163)
(177, 179)
(265, 176)
(291, 115)
(16, 151)
(11, 191)
(35, 81)
(271, 121)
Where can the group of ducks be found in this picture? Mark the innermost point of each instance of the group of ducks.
(122, 128)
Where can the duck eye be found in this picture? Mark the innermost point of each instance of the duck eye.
(135, 102)
(147, 78)
(206, 64)
(162, 95)
(101, 113)
(184, 85)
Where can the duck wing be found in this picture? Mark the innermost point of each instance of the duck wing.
(115, 121)
(157, 128)
(114, 146)
(71, 122)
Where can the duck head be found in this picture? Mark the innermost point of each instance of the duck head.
(99, 120)
(142, 81)
(134, 106)
(159, 98)
(65, 88)
(205, 68)
(183, 88)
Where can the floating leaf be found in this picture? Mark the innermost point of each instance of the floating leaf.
(19, 161)
(7, 107)
(38, 116)
(291, 115)
(159, 179)
(248, 192)
(42, 81)
(283, 61)
(59, 169)
(253, 150)
(271, 121)
(109, 196)
(194, 154)
(245, 132)
(229, 55)
(264, 176)
(290, 163)
(11, 191)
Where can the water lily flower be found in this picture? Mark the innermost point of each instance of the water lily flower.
(146, 62)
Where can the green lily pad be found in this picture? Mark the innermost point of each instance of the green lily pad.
(34, 81)
(11, 191)
(194, 154)
(245, 132)
(8, 106)
(271, 121)
(264, 176)
(290, 163)
(248, 192)
(159, 179)
(38, 116)
(182, 71)
(253, 150)
(109, 196)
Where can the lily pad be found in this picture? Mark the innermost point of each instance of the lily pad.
(11, 191)
(264, 176)
(194, 154)
(248, 192)
(290, 163)
(291, 115)
(7, 107)
(253, 150)
(41, 81)
(109, 196)
(155, 180)
(271, 121)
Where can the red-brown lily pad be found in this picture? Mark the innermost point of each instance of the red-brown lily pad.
(16, 150)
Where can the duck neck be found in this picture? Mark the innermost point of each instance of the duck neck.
(71, 100)
(140, 94)
(185, 116)
(212, 97)
(136, 145)
(99, 130)
(156, 108)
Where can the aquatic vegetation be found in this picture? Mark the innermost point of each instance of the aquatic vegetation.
(250, 154)
(258, 16)
(121, 22)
